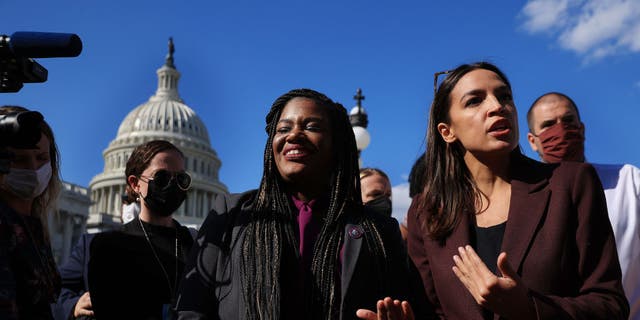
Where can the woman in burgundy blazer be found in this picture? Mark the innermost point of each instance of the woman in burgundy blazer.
(496, 234)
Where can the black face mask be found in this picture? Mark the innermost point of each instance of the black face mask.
(164, 201)
(380, 205)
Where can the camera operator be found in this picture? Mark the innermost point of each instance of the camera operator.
(29, 281)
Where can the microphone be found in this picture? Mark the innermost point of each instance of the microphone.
(45, 44)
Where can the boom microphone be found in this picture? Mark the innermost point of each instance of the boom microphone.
(45, 44)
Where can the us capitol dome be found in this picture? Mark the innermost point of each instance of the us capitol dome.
(164, 116)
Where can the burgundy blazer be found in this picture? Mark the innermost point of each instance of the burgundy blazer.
(558, 237)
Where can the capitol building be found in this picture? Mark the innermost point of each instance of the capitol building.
(164, 116)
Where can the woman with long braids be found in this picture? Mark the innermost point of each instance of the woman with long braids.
(301, 246)
(498, 235)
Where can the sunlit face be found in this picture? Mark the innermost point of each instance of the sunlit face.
(32, 159)
(169, 160)
(482, 116)
(302, 143)
(374, 186)
(548, 111)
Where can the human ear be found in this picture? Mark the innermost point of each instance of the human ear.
(133, 183)
(446, 132)
(532, 141)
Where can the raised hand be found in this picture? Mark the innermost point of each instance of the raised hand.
(388, 309)
(505, 295)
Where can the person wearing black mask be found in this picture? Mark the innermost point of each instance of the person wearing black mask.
(376, 190)
(152, 247)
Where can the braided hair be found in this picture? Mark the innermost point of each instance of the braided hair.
(271, 233)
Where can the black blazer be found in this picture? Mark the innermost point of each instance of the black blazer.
(211, 287)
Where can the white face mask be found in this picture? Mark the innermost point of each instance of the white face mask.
(28, 184)
(130, 211)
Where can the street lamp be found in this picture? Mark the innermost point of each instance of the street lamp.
(359, 121)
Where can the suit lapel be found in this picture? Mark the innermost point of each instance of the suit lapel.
(352, 245)
(460, 237)
(527, 208)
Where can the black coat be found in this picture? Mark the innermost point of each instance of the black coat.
(125, 278)
(211, 288)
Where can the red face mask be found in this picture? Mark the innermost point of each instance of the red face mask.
(562, 142)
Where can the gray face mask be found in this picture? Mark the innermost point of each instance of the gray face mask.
(28, 184)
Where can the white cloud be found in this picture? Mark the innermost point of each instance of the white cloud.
(592, 28)
(632, 38)
(400, 201)
(543, 15)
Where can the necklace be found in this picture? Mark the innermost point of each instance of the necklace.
(155, 254)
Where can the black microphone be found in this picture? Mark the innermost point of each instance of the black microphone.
(45, 44)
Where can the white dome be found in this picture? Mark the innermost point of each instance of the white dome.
(354, 110)
(166, 116)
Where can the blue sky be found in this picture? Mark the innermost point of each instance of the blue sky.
(237, 57)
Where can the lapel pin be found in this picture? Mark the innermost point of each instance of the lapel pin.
(355, 232)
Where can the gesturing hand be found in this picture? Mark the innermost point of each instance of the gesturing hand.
(388, 309)
(505, 295)
(83, 306)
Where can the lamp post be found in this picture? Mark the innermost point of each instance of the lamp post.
(359, 121)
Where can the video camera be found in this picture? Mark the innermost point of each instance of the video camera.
(18, 130)
(17, 52)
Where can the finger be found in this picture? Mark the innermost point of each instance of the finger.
(382, 310)
(467, 265)
(481, 276)
(366, 314)
(462, 253)
(85, 312)
(505, 267)
(477, 263)
(394, 310)
(85, 304)
(465, 281)
(460, 263)
(462, 272)
(407, 311)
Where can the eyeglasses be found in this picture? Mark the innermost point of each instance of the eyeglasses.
(162, 178)
(435, 80)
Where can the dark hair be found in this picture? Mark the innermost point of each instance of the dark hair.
(140, 160)
(416, 177)
(45, 202)
(270, 234)
(449, 189)
(558, 94)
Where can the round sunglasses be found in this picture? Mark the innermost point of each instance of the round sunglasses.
(162, 178)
